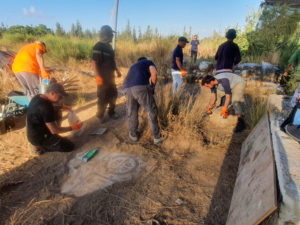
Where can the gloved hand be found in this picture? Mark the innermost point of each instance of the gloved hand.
(45, 74)
(209, 109)
(224, 112)
(183, 73)
(77, 126)
(66, 108)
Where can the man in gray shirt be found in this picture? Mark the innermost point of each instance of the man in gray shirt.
(233, 87)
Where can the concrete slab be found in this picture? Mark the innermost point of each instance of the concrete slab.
(287, 158)
(105, 169)
(254, 195)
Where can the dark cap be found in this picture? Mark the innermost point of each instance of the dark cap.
(57, 88)
(183, 39)
(107, 30)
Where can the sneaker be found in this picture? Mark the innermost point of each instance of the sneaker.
(160, 140)
(133, 137)
(240, 125)
(114, 116)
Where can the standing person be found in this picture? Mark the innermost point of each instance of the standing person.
(42, 127)
(228, 53)
(194, 48)
(233, 87)
(28, 66)
(104, 66)
(139, 92)
(177, 68)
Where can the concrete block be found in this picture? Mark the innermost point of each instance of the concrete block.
(287, 158)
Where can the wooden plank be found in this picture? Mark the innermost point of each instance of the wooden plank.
(255, 195)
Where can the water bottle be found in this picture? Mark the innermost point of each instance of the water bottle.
(43, 86)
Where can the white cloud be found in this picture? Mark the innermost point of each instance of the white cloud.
(32, 12)
(32, 9)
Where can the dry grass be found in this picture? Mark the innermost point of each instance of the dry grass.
(256, 101)
(183, 112)
(8, 82)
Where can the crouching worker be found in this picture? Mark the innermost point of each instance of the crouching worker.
(42, 128)
(233, 87)
(139, 92)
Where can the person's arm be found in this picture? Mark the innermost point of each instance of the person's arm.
(237, 57)
(153, 73)
(213, 98)
(227, 100)
(178, 63)
(288, 68)
(40, 61)
(54, 129)
(217, 54)
(98, 76)
(95, 68)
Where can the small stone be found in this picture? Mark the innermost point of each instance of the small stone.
(179, 201)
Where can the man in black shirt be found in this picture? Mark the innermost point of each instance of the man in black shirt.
(42, 128)
(104, 66)
(228, 53)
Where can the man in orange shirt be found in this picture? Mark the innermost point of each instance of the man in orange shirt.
(28, 66)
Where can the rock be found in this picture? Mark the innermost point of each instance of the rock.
(206, 66)
(179, 201)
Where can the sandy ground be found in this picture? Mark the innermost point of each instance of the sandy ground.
(186, 180)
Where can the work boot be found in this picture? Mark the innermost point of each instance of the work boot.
(35, 150)
(160, 140)
(240, 125)
(133, 137)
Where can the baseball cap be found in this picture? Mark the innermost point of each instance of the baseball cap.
(57, 88)
(106, 30)
(183, 39)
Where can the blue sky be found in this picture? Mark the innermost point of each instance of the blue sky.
(169, 16)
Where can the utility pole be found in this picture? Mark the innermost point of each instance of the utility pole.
(115, 23)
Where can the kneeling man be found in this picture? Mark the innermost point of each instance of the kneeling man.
(139, 92)
(233, 87)
(42, 128)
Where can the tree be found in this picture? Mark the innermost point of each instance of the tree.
(134, 34)
(148, 33)
(78, 29)
(59, 30)
(140, 33)
(73, 30)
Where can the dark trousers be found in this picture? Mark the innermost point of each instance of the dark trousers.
(194, 56)
(56, 143)
(141, 96)
(107, 95)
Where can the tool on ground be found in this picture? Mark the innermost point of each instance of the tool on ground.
(89, 155)
(99, 131)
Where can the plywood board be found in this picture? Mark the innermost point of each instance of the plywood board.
(255, 195)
